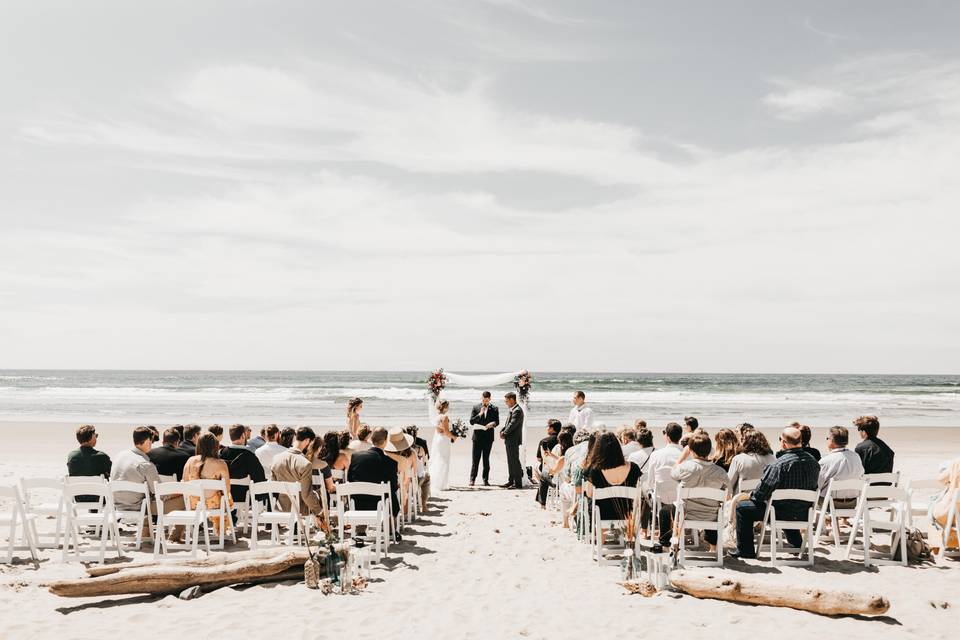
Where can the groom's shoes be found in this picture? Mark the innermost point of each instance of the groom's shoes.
(472, 482)
(509, 485)
(486, 483)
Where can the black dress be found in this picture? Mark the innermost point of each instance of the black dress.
(615, 508)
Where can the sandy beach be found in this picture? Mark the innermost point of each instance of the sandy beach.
(481, 563)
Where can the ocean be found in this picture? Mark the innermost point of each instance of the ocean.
(399, 398)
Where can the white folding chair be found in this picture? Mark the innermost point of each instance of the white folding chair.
(777, 526)
(603, 527)
(191, 518)
(377, 520)
(683, 524)
(952, 525)
(276, 517)
(98, 514)
(137, 517)
(895, 503)
(926, 486)
(16, 519)
(830, 510)
(244, 506)
(883, 478)
(163, 478)
(221, 512)
(746, 486)
(43, 497)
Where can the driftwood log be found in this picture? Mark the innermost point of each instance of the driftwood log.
(160, 579)
(214, 559)
(720, 586)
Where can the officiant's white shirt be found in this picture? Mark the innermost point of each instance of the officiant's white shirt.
(581, 417)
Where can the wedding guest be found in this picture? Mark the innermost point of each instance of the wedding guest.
(258, 441)
(553, 464)
(420, 442)
(270, 450)
(943, 503)
(362, 441)
(241, 461)
(399, 448)
(581, 416)
(755, 456)
(207, 465)
(217, 431)
(354, 406)
(628, 442)
(609, 469)
(701, 471)
(663, 458)
(155, 434)
(806, 434)
(742, 430)
(134, 465)
(293, 466)
(188, 444)
(423, 457)
(342, 463)
(840, 464)
(641, 456)
(87, 461)
(373, 465)
(315, 454)
(795, 469)
(548, 443)
(179, 428)
(690, 424)
(287, 436)
(727, 447)
(168, 458)
(876, 456)
(640, 423)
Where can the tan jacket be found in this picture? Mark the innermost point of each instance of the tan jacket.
(293, 466)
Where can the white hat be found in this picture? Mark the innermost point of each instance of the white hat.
(398, 441)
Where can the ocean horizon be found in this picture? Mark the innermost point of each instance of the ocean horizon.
(400, 397)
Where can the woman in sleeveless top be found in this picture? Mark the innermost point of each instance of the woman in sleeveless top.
(440, 448)
(207, 465)
(609, 469)
(353, 416)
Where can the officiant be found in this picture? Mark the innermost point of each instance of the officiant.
(485, 417)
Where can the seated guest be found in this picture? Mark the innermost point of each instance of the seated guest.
(271, 447)
(840, 464)
(641, 456)
(256, 442)
(663, 458)
(315, 454)
(168, 458)
(640, 424)
(727, 447)
(287, 436)
(362, 443)
(417, 440)
(628, 443)
(548, 443)
(155, 435)
(400, 449)
(807, 434)
(217, 431)
(134, 465)
(242, 462)
(191, 433)
(423, 475)
(342, 462)
(690, 424)
(701, 471)
(943, 502)
(207, 465)
(609, 469)
(876, 456)
(373, 465)
(87, 461)
(742, 430)
(795, 469)
(293, 466)
(179, 428)
(553, 468)
(755, 456)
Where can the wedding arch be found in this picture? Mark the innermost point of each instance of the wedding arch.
(517, 378)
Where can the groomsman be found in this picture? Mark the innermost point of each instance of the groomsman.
(512, 434)
(581, 416)
(486, 417)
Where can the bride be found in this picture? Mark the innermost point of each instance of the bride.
(440, 448)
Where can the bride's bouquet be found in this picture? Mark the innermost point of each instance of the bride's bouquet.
(435, 383)
(459, 428)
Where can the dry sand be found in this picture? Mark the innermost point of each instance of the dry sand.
(482, 563)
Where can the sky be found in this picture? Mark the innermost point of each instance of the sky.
(481, 185)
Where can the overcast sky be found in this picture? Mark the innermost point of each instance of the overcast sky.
(487, 185)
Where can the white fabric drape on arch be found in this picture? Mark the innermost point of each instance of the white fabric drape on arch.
(486, 380)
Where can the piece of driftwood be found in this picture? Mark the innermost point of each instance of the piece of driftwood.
(164, 579)
(720, 586)
(214, 559)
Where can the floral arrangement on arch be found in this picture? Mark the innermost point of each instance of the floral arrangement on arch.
(521, 382)
(436, 383)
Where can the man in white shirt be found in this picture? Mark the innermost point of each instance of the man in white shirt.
(266, 452)
(581, 416)
(840, 464)
(664, 458)
(133, 465)
(628, 442)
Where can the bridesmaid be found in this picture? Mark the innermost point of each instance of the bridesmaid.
(353, 416)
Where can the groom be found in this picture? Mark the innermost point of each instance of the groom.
(486, 417)
(512, 434)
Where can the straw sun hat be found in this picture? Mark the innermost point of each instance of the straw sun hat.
(398, 441)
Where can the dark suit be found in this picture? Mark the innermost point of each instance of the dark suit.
(188, 448)
(168, 460)
(242, 463)
(512, 434)
(373, 465)
(483, 438)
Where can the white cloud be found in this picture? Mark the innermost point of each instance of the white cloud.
(803, 102)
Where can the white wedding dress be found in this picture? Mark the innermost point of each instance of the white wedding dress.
(439, 458)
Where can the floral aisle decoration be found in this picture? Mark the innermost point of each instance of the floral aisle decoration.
(436, 383)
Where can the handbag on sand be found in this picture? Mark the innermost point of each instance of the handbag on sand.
(917, 548)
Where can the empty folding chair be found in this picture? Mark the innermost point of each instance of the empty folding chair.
(192, 517)
(139, 518)
(97, 514)
(267, 492)
(16, 519)
(927, 487)
(43, 497)
(777, 526)
(830, 508)
(376, 521)
(602, 527)
(892, 502)
(951, 528)
(683, 523)
(219, 516)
